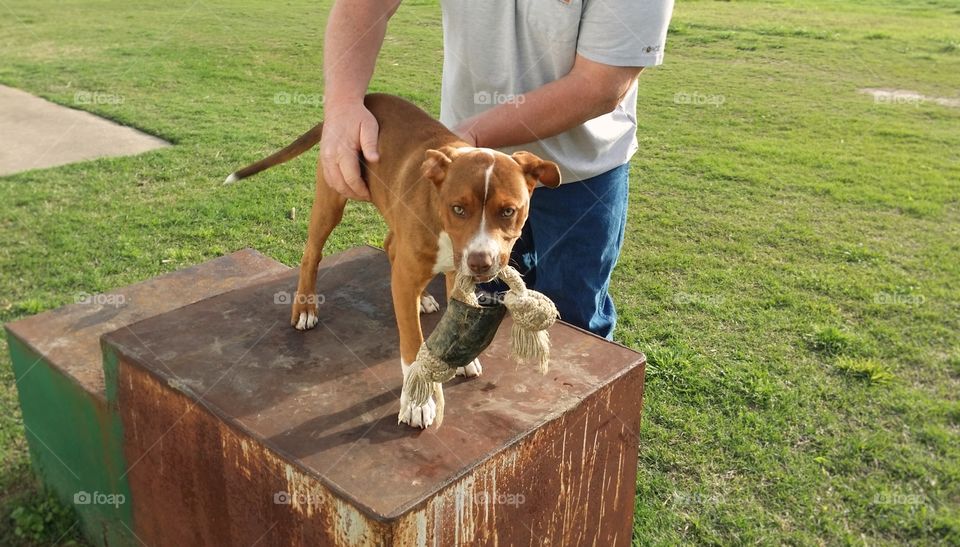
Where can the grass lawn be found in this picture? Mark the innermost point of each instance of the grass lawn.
(791, 269)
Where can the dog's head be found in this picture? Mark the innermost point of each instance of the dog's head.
(484, 201)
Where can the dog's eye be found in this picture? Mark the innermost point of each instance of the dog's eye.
(458, 210)
(507, 212)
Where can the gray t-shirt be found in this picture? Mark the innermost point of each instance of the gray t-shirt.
(496, 50)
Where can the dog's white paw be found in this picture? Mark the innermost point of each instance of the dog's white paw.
(471, 369)
(307, 320)
(418, 416)
(428, 304)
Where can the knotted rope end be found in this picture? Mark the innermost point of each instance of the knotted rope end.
(425, 378)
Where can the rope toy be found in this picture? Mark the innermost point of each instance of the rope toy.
(467, 328)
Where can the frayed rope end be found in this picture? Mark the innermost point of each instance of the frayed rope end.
(533, 313)
(530, 347)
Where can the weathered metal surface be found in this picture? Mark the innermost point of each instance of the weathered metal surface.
(569, 482)
(69, 337)
(198, 481)
(73, 434)
(225, 406)
(75, 444)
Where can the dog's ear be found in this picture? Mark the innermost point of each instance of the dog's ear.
(537, 170)
(436, 162)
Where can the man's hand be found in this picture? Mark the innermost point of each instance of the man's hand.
(354, 35)
(348, 129)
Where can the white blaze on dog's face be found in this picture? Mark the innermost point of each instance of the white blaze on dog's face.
(484, 201)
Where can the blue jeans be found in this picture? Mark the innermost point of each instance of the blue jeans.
(571, 243)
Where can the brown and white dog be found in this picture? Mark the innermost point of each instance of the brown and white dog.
(449, 207)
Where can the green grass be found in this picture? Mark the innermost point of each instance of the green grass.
(868, 370)
(790, 267)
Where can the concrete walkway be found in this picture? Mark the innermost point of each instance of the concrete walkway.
(35, 133)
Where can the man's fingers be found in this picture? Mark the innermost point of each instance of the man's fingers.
(331, 173)
(349, 131)
(369, 134)
(356, 187)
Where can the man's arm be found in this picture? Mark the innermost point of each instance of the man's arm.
(354, 35)
(589, 90)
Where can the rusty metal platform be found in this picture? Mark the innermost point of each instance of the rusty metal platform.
(69, 337)
(75, 437)
(239, 428)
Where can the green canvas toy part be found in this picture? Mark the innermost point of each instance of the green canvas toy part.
(467, 328)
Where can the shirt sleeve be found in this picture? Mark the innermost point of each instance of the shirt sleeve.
(624, 32)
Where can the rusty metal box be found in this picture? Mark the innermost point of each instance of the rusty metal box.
(238, 429)
(75, 438)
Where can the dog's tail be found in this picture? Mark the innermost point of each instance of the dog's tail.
(302, 144)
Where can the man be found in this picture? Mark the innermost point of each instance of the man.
(558, 77)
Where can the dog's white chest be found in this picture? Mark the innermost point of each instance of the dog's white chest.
(444, 261)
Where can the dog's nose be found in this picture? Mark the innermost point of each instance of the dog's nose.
(479, 263)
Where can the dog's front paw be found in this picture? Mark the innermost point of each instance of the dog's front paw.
(303, 314)
(417, 416)
(471, 369)
(428, 304)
